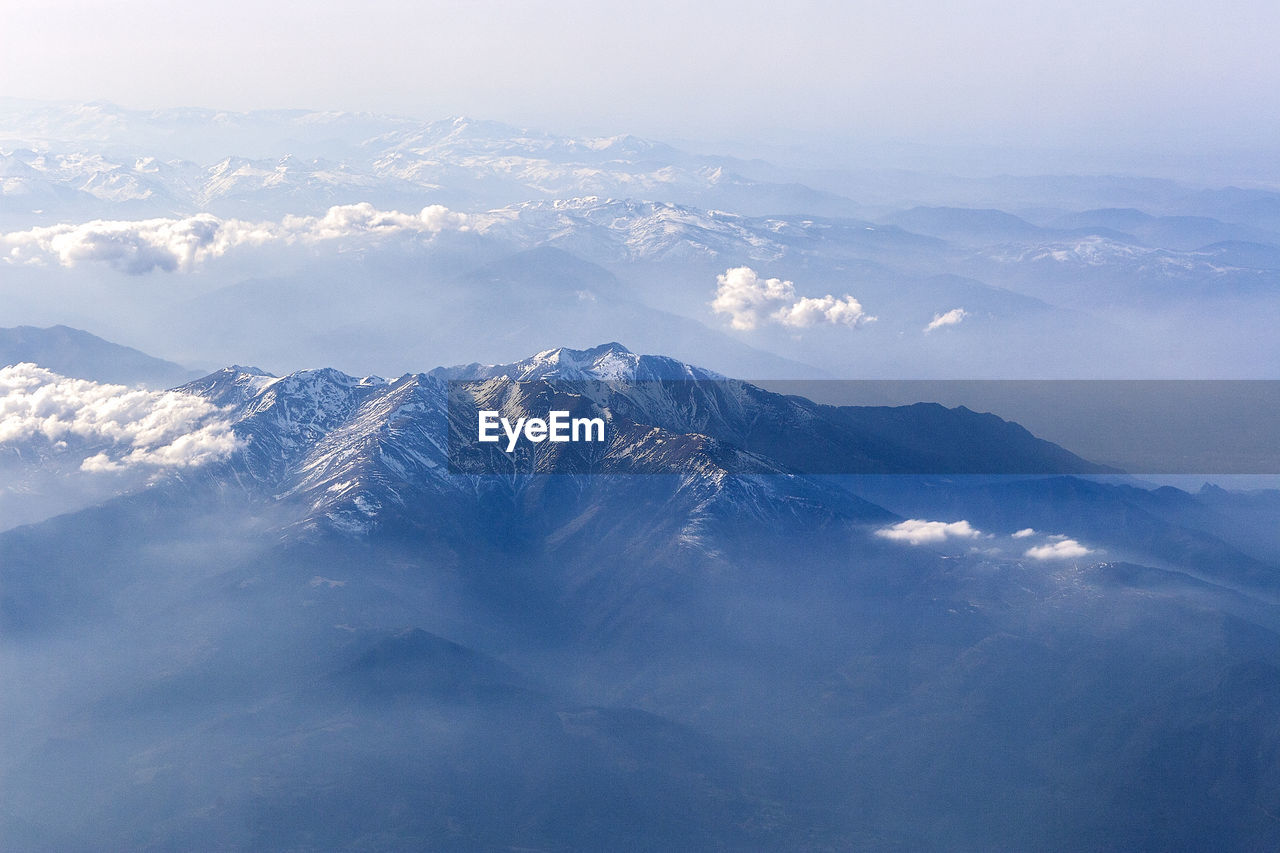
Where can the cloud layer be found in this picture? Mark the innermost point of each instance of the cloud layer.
(751, 301)
(111, 426)
(181, 244)
(918, 531)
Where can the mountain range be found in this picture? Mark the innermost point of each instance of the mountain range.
(299, 606)
(349, 630)
(73, 352)
(291, 239)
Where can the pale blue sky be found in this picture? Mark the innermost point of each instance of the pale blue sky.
(1067, 74)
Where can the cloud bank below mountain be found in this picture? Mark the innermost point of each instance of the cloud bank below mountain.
(181, 245)
(111, 426)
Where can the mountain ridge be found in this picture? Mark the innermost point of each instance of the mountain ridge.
(79, 354)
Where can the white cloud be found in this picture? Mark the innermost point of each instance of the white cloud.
(179, 245)
(750, 301)
(135, 247)
(121, 427)
(354, 219)
(808, 311)
(1024, 533)
(1060, 549)
(951, 318)
(917, 531)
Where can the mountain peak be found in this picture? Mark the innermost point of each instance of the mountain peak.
(611, 361)
(249, 370)
(612, 347)
(566, 354)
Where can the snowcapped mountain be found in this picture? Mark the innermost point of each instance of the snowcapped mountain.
(359, 454)
(365, 454)
(78, 160)
(607, 363)
(238, 185)
(1098, 251)
(620, 230)
(191, 133)
(334, 603)
(1089, 271)
(798, 434)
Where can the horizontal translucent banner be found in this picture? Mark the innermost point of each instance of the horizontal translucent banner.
(666, 426)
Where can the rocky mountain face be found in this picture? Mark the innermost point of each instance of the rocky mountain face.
(367, 452)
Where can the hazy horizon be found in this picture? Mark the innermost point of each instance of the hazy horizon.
(983, 87)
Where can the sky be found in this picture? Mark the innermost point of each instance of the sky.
(1136, 76)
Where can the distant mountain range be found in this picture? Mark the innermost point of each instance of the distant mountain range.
(270, 163)
(167, 160)
(295, 239)
(72, 352)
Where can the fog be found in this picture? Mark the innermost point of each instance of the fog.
(200, 682)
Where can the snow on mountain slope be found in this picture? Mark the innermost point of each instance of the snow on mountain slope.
(611, 362)
(1090, 271)
(360, 454)
(1101, 251)
(622, 230)
(368, 453)
(254, 163)
(792, 431)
